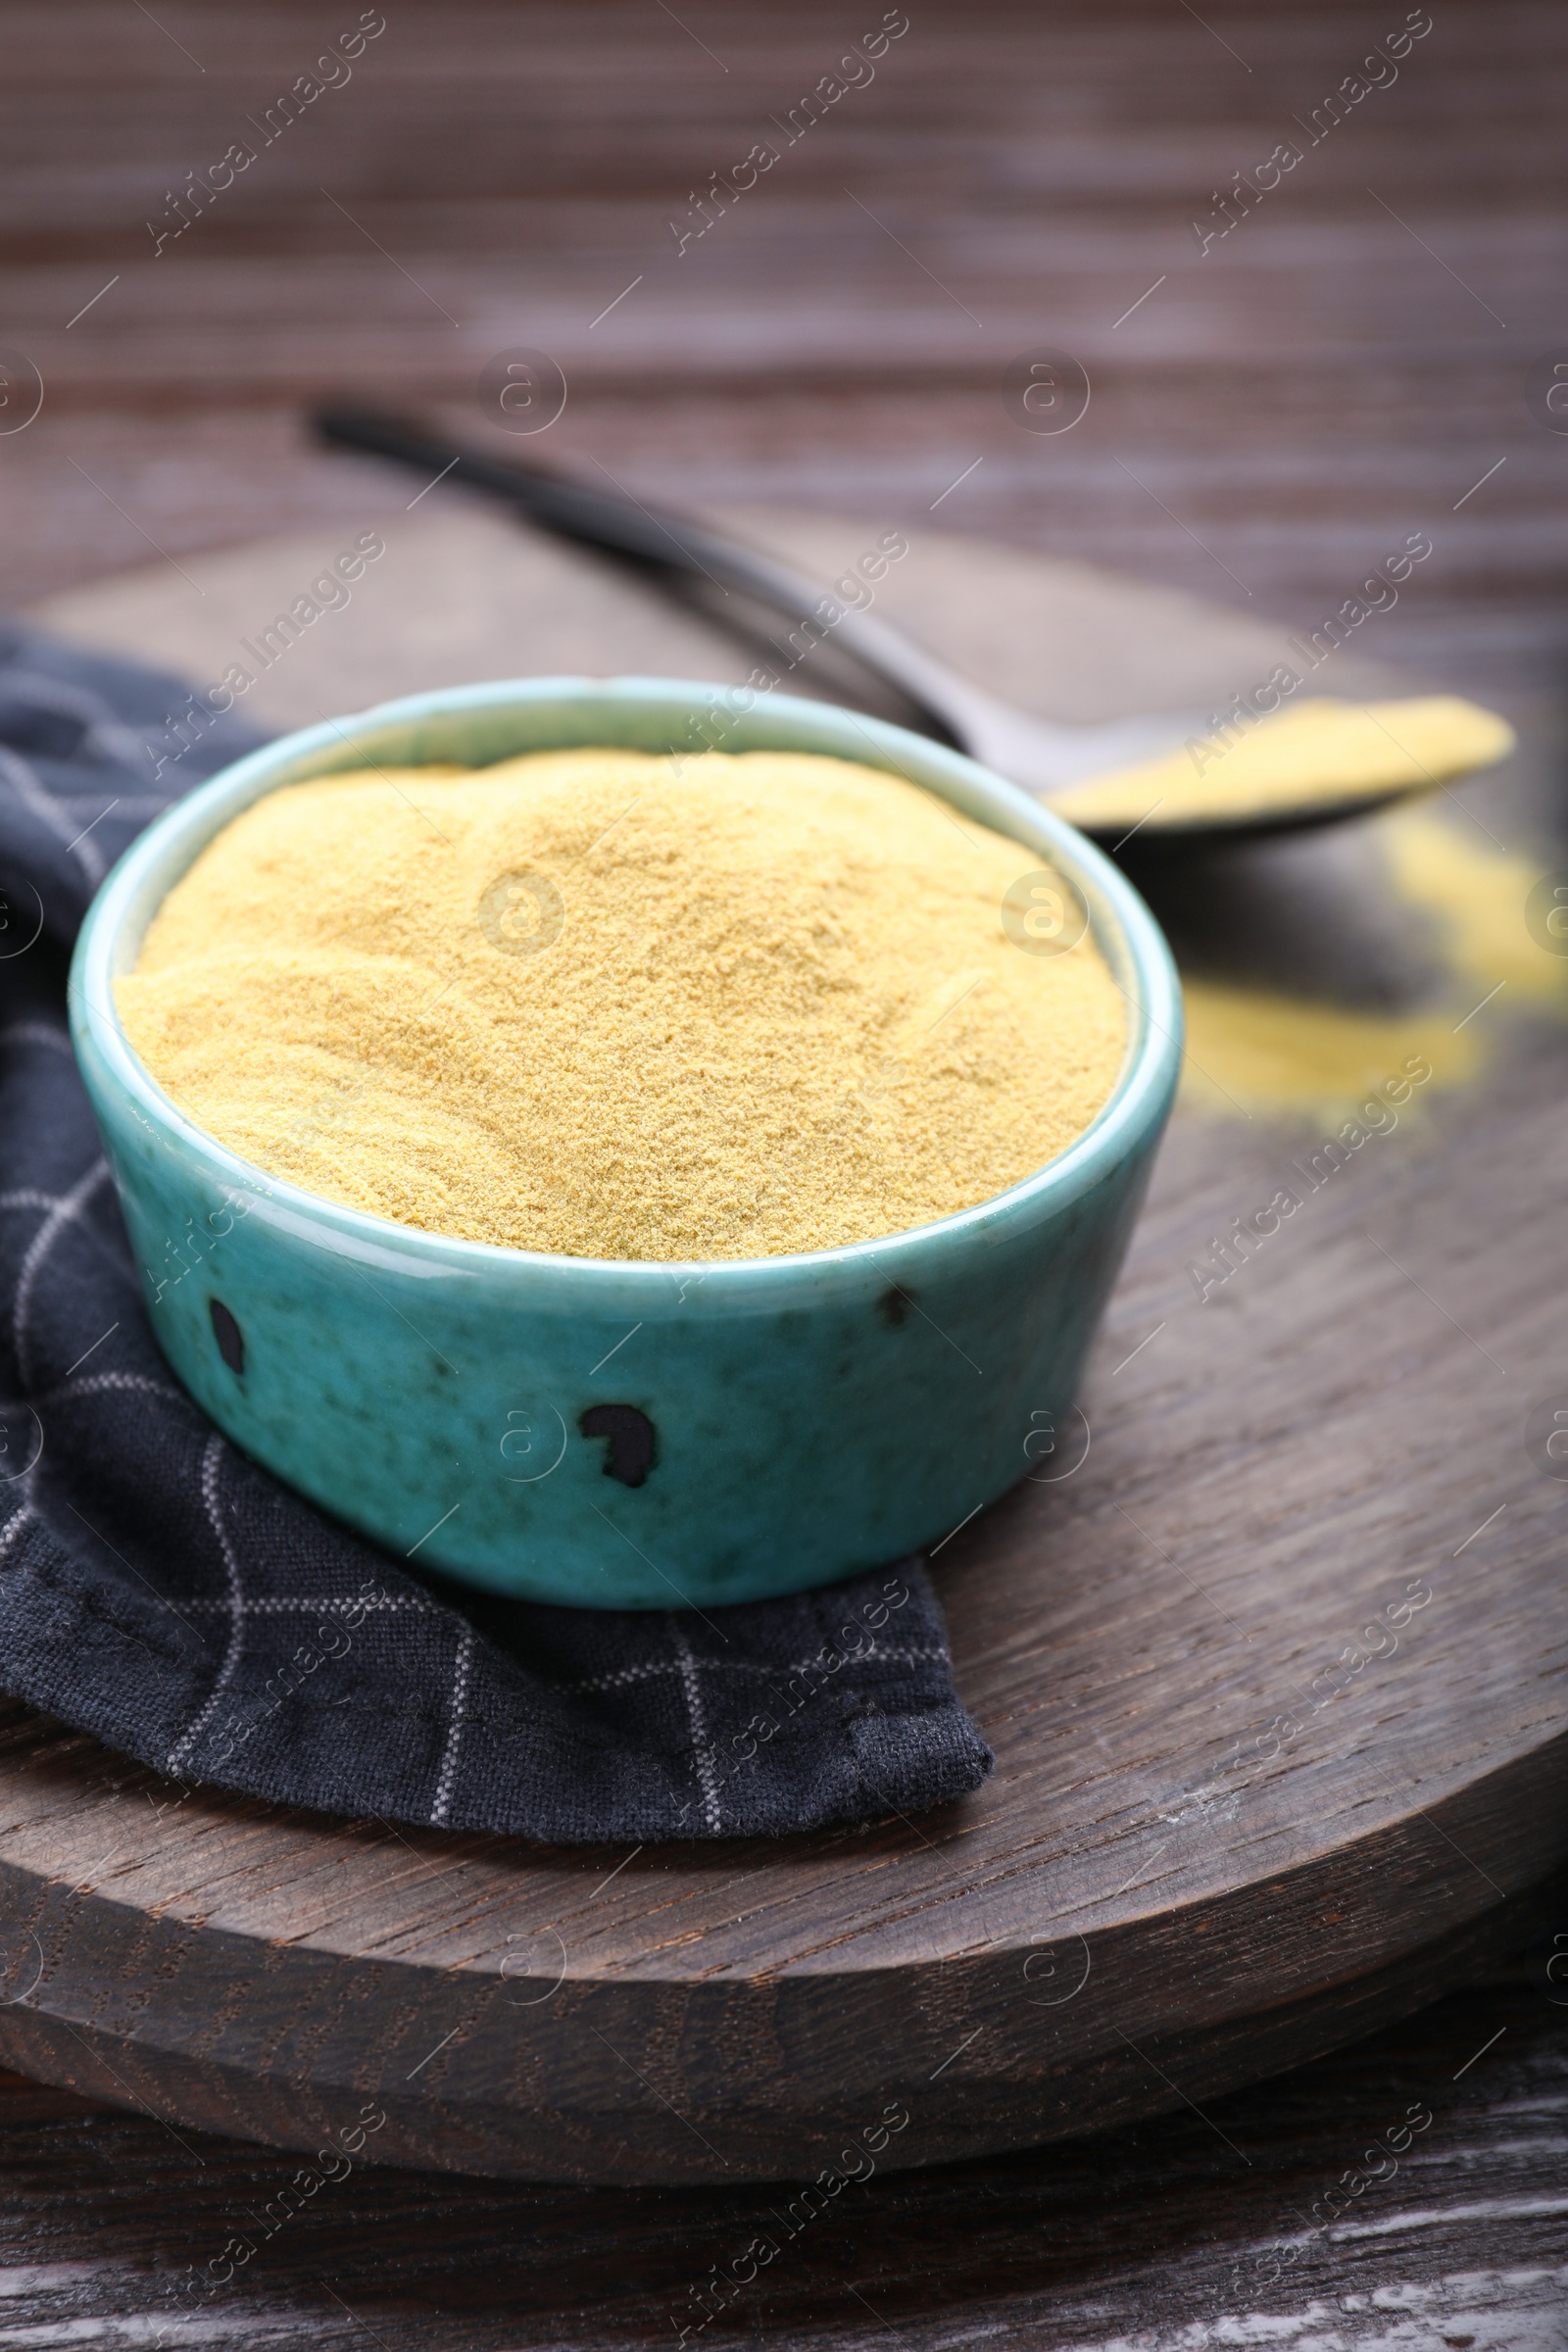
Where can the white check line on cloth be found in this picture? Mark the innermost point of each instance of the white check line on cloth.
(13, 1526)
(707, 1778)
(64, 1213)
(236, 1639)
(276, 1604)
(874, 1653)
(460, 1692)
(15, 772)
(35, 1033)
(100, 1383)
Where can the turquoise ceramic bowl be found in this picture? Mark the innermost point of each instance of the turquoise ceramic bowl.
(590, 1431)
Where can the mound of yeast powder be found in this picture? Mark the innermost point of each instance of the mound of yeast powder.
(621, 1006)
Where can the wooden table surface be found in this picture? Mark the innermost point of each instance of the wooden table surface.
(1353, 363)
(1190, 2235)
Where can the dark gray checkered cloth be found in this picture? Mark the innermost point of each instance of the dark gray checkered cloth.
(162, 1592)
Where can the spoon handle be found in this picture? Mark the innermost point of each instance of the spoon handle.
(948, 706)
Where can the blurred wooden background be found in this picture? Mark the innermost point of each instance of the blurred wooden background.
(1353, 362)
(1345, 364)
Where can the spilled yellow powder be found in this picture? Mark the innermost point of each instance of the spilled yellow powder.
(1248, 1050)
(1255, 1051)
(1476, 894)
(1311, 754)
(618, 1006)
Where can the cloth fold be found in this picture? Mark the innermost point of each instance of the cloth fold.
(162, 1592)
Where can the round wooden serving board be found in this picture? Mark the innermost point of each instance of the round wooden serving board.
(1274, 1676)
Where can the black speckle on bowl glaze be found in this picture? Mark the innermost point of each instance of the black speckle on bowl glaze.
(632, 1449)
(227, 1332)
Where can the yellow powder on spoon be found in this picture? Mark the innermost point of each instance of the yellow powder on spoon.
(1316, 754)
(622, 1005)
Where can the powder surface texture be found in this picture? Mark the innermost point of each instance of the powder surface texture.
(621, 1006)
(1309, 754)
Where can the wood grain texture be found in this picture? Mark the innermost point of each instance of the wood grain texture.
(1187, 2235)
(1332, 372)
(1211, 1846)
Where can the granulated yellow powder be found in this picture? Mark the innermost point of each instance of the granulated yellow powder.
(1253, 1050)
(1312, 754)
(621, 1006)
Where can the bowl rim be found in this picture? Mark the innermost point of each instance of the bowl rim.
(1134, 1109)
